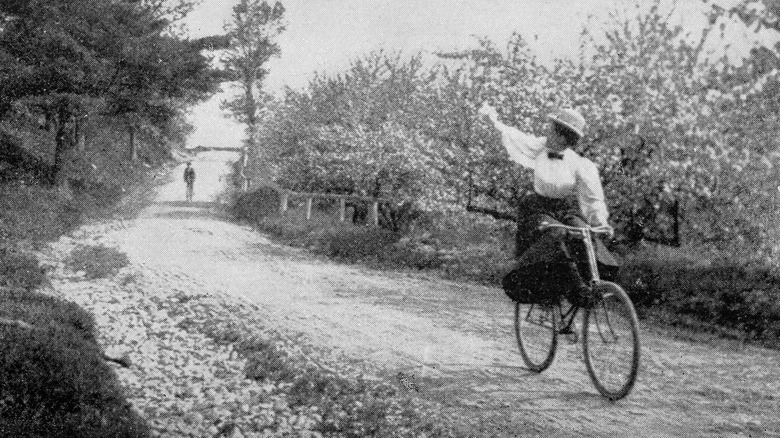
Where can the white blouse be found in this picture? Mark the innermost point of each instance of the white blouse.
(558, 178)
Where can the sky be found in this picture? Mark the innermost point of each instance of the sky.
(325, 35)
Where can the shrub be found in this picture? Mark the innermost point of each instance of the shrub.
(20, 270)
(44, 310)
(55, 385)
(703, 285)
(96, 261)
(740, 295)
(35, 214)
(53, 381)
(355, 243)
(257, 204)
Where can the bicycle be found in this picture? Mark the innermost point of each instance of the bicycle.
(610, 329)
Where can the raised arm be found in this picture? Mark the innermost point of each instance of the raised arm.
(521, 147)
(590, 195)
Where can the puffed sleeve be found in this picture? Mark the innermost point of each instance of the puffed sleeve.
(521, 147)
(590, 194)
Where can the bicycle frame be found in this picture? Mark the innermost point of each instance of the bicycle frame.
(586, 233)
(610, 330)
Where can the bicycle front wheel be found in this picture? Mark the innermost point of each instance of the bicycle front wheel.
(536, 328)
(611, 342)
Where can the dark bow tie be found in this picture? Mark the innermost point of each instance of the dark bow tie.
(554, 155)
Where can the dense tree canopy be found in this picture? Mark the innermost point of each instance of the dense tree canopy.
(685, 140)
(65, 59)
(251, 44)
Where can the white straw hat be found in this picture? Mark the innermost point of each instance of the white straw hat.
(570, 119)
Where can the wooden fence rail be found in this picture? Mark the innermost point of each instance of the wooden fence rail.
(373, 211)
(287, 194)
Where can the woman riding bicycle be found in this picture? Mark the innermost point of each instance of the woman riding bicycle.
(563, 180)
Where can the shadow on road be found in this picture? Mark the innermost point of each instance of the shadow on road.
(185, 204)
(188, 214)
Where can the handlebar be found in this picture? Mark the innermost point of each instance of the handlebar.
(603, 229)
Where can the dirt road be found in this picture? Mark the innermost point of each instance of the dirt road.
(455, 338)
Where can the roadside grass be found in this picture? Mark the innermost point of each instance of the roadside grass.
(736, 298)
(698, 288)
(339, 402)
(20, 270)
(472, 247)
(96, 261)
(35, 214)
(54, 381)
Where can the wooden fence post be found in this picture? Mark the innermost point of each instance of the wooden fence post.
(375, 213)
(308, 208)
(342, 209)
(283, 207)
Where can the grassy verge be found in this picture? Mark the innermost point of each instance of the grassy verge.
(54, 381)
(313, 396)
(687, 287)
(736, 298)
(467, 247)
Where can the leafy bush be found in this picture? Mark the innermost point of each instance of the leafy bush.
(356, 243)
(741, 295)
(20, 270)
(43, 310)
(329, 237)
(53, 381)
(96, 261)
(257, 204)
(35, 213)
(706, 286)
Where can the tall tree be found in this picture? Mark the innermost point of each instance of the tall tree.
(61, 57)
(253, 37)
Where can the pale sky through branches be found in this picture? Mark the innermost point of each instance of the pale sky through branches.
(325, 35)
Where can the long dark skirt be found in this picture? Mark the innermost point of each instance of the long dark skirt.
(551, 262)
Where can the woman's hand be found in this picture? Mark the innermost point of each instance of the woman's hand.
(489, 111)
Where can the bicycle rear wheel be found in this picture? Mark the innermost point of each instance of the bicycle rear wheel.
(536, 328)
(611, 342)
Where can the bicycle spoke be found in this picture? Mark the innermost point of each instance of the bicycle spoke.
(612, 344)
(535, 328)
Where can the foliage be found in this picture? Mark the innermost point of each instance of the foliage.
(252, 206)
(52, 376)
(646, 89)
(37, 308)
(702, 287)
(96, 261)
(35, 214)
(717, 292)
(252, 43)
(669, 125)
(20, 270)
(466, 247)
(346, 407)
(65, 60)
(345, 241)
(355, 134)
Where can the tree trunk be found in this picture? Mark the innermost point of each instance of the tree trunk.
(62, 144)
(78, 136)
(251, 111)
(132, 149)
(676, 213)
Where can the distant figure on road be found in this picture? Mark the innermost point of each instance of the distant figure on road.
(189, 179)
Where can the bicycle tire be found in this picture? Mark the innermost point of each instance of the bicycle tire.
(610, 337)
(536, 329)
